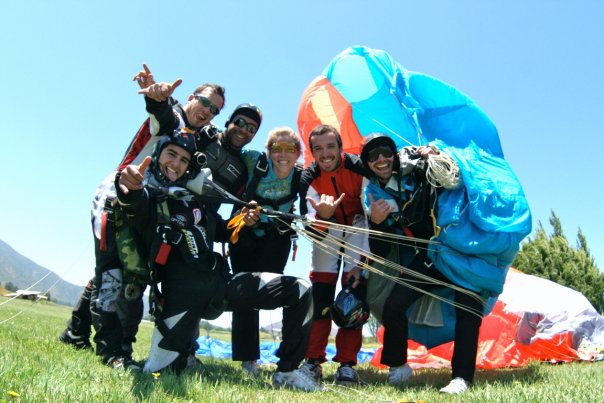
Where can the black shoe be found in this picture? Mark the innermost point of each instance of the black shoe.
(346, 375)
(122, 362)
(78, 342)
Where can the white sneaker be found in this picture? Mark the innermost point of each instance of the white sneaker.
(456, 386)
(399, 375)
(250, 367)
(301, 378)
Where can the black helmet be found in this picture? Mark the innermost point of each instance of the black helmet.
(247, 110)
(348, 311)
(374, 140)
(184, 138)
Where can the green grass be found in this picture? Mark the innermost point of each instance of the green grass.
(36, 366)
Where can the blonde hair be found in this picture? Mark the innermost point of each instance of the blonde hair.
(283, 131)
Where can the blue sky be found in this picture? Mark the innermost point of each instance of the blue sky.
(69, 108)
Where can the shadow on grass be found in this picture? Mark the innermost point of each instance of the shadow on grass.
(212, 372)
(438, 378)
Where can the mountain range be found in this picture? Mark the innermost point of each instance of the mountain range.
(24, 273)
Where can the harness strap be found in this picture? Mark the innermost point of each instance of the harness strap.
(260, 171)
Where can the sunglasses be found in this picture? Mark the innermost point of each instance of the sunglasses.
(207, 103)
(241, 123)
(374, 154)
(289, 148)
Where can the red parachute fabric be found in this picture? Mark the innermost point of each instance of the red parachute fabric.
(327, 102)
(498, 344)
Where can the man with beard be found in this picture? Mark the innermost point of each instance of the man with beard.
(331, 187)
(177, 233)
(116, 318)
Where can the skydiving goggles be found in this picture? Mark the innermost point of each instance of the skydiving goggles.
(207, 103)
(374, 154)
(289, 148)
(241, 123)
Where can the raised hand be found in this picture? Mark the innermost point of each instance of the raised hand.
(144, 78)
(326, 205)
(379, 209)
(160, 91)
(132, 176)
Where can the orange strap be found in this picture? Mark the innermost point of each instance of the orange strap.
(236, 223)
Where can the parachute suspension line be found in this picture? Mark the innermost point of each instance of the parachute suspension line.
(333, 245)
(443, 171)
(388, 237)
(33, 285)
(386, 128)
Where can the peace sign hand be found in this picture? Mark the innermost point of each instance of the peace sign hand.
(144, 78)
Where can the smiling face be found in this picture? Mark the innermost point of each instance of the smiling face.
(382, 167)
(238, 137)
(326, 151)
(283, 152)
(174, 162)
(199, 115)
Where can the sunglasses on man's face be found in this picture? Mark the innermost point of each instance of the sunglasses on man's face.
(289, 148)
(374, 154)
(241, 123)
(207, 103)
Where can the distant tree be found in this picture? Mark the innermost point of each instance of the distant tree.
(373, 325)
(11, 287)
(553, 258)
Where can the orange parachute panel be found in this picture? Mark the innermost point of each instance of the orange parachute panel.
(322, 99)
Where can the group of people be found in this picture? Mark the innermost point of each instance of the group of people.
(155, 221)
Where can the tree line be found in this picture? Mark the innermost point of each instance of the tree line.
(552, 257)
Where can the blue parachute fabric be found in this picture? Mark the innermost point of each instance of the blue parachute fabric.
(412, 108)
(482, 222)
(210, 347)
(452, 116)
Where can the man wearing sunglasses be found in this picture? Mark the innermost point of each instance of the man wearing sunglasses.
(116, 321)
(399, 200)
(330, 190)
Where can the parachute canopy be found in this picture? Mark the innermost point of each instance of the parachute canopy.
(533, 320)
(364, 90)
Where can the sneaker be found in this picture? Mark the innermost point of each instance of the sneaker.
(123, 362)
(78, 342)
(399, 375)
(302, 378)
(315, 368)
(346, 375)
(456, 386)
(250, 367)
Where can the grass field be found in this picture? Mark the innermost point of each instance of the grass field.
(36, 367)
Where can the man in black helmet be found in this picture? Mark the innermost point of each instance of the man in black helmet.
(177, 232)
(115, 319)
(398, 199)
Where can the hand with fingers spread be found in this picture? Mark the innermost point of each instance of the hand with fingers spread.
(379, 209)
(251, 216)
(326, 206)
(160, 91)
(144, 78)
(132, 176)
